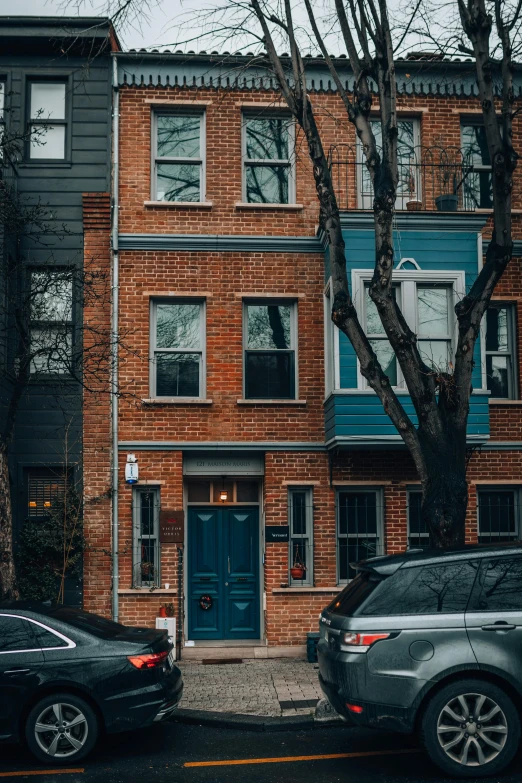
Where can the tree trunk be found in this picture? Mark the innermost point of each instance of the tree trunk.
(8, 586)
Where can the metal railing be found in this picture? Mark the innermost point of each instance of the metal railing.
(441, 179)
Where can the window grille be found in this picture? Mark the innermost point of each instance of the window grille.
(146, 547)
(359, 529)
(44, 487)
(498, 516)
(301, 518)
(418, 533)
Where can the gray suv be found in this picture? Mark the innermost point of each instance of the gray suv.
(431, 642)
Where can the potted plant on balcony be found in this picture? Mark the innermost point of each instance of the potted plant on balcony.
(413, 204)
(298, 569)
(448, 171)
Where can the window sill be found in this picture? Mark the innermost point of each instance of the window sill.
(272, 402)
(147, 591)
(502, 401)
(179, 204)
(176, 401)
(280, 590)
(287, 207)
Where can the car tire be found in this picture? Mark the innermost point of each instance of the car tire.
(73, 729)
(459, 742)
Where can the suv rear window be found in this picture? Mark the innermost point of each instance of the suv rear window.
(355, 593)
(427, 589)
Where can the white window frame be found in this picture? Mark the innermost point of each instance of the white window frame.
(408, 281)
(288, 162)
(331, 345)
(293, 304)
(308, 579)
(511, 353)
(137, 538)
(181, 112)
(379, 537)
(364, 198)
(45, 122)
(153, 349)
(517, 498)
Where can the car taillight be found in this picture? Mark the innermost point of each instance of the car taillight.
(363, 639)
(149, 660)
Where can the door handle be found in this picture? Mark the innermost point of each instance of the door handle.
(17, 671)
(500, 626)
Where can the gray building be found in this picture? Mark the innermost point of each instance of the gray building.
(55, 98)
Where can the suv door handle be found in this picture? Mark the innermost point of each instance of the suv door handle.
(500, 626)
(17, 671)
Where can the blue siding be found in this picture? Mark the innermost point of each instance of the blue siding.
(362, 415)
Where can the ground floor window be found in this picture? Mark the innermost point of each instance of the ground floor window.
(300, 520)
(359, 528)
(418, 533)
(498, 515)
(44, 487)
(145, 544)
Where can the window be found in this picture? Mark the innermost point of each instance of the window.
(270, 371)
(15, 635)
(177, 356)
(179, 172)
(500, 351)
(409, 183)
(478, 191)
(51, 321)
(427, 308)
(428, 589)
(146, 549)
(267, 151)
(209, 490)
(301, 523)
(47, 121)
(2, 118)
(359, 529)
(500, 586)
(48, 639)
(44, 486)
(498, 515)
(418, 533)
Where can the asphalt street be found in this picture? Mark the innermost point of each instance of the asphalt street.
(198, 754)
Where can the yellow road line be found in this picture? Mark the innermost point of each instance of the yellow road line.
(22, 773)
(232, 762)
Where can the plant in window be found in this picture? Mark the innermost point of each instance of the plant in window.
(298, 569)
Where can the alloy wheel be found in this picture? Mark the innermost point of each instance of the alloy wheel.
(61, 730)
(472, 729)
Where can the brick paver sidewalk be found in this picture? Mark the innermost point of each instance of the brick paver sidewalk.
(273, 688)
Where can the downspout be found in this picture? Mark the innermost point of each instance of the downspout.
(114, 334)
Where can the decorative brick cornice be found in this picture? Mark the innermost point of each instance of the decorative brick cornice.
(96, 211)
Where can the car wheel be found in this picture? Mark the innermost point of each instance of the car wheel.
(471, 729)
(61, 729)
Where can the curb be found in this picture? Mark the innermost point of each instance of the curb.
(230, 720)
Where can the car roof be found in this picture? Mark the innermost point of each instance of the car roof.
(388, 564)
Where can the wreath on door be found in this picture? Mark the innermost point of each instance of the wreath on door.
(206, 602)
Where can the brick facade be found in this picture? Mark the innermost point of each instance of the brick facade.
(223, 279)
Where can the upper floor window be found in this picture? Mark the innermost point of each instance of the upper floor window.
(500, 350)
(477, 184)
(409, 170)
(267, 160)
(270, 348)
(51, 301)
(427, 307)
(179, 171)
(47, 120)
(177, 349)
(301, 517)
(499, 515)
(359, 529)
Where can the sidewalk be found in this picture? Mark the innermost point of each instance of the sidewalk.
(276, 688)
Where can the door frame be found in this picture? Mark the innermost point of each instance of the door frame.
(261, 564)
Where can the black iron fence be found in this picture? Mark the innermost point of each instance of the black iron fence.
(436, 178)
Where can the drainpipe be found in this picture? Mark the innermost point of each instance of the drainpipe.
(114, 335)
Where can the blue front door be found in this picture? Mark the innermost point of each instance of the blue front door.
(223, 573)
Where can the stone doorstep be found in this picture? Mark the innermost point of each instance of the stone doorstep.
(195, 654)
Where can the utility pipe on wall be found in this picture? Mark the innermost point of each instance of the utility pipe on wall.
(114, 335)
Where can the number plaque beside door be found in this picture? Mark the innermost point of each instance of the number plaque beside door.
(172, 527)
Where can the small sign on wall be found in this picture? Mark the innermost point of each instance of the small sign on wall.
(275, 534)
(172, 527)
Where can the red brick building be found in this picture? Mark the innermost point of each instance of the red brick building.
(240, 401)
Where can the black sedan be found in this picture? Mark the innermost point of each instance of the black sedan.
(67, 675)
